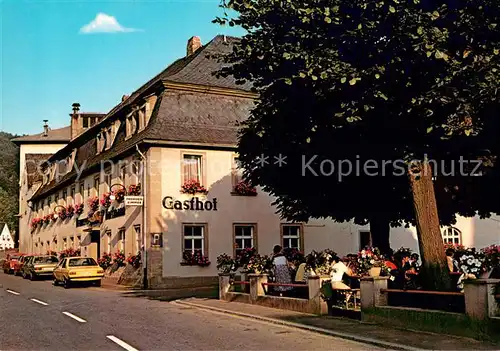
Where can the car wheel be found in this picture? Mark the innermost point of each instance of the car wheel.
(32, 277)
(55, 282)
(66, 283)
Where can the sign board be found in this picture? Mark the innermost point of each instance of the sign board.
(134, 200)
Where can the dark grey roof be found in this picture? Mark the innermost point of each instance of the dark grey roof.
(183, 117)
(60, 135)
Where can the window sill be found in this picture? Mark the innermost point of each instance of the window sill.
(233, 193)
(195, 264)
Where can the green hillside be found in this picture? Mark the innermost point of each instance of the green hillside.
(9, 180)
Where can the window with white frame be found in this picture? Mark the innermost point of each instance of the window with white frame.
(194, 236)
(191, 168)
(452, 235)
(291, 236)
(109, 246)
(244, 237)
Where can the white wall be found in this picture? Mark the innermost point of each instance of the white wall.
(6, 240)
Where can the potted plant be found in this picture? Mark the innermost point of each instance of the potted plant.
(62, 213)
(225, 264)
(472, 263)
(119, 258)
(370, 262)
(243, 188)
(134, 190)
(134, 260)
(320, 262)
(491, 259)
(93, 203)
(119, 194)
(105, 260)
(193, 187)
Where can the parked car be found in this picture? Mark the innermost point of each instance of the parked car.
(78, 269)
(39, 266)
(18, 266)
(8, 266)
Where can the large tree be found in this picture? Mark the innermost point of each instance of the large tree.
(360, 80)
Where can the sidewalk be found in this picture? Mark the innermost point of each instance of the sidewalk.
(390, 338)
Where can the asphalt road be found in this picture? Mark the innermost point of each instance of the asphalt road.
(39, 316)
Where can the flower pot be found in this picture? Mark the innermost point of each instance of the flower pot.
(486, 275)
(375, 271)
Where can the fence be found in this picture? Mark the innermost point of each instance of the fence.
(259, 287)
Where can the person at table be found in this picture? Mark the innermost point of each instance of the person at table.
(281, 270)
(414, 262)
(452, 263)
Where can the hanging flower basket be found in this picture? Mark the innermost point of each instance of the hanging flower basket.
(243, 188)
(62, 213)
(35, 222)
(193, 187)
(119, 195)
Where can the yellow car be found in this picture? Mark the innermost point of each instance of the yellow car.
(78, 269)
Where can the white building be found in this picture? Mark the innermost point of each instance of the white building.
(6, 239)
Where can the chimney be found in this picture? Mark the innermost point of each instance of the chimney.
(45, 128)
(193, 44)
(76, 123)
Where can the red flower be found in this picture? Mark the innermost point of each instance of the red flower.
(193, 187)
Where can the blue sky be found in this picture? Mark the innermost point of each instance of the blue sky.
(48, 61)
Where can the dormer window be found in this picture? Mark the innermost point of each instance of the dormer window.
(142, 118)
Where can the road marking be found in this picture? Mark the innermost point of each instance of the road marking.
(76, 318)
(121, 343)
(40, 302)
(12, 292)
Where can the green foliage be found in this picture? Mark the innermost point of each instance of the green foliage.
(362, 80)
(9, 177)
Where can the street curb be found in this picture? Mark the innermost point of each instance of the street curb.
(323, 331)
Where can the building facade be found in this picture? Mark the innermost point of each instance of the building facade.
(6, 238)
(172, 143)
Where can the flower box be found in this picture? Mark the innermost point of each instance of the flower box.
(78, 209)
(243, 188)
(70, 211)
(134, 190)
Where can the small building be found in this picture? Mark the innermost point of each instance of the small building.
(6, 238)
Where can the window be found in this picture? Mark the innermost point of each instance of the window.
(236, 171)
(96, 185)
(72, 241)
(65, 244)
(123, 174)
(138, 236)
(191, 168)
(292, 236)
(65, 195)
(452, 235)
(72, 193)
(365, 239)
(121, 236)
(244, 237)
(56, 198)
(84, 261)
(108, 242)
(108, 179)
(81, 189)
(194, 238)
(85, 121)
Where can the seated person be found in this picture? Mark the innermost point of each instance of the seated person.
(337, 275)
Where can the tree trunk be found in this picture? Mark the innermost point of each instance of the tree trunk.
(380, 231)
(428, 229)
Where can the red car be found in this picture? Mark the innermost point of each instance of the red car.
(10, 262)
(18, 265)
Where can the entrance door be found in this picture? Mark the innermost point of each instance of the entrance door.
(95, 237)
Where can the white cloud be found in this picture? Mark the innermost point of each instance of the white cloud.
(105, 24)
